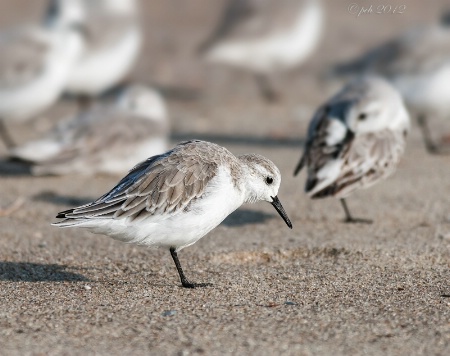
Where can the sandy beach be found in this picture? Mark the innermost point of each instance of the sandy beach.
(323, 288)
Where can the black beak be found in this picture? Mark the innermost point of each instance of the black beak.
(278, 207)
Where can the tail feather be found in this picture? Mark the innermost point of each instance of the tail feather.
(62, 214)
(300, 165)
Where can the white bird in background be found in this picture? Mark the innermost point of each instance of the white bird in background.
(113, 43)
(266, 37)
(35, 62)
(354, 140)
(174, 199)
(105, 139)
(417, 63)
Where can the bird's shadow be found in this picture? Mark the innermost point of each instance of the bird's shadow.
(37, 272)
(243, 217)
(58, 199)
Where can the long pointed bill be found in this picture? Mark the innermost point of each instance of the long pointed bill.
(278, 207)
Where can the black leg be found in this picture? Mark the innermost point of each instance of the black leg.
(429, 143)
(184, 280)
(266, 89)
(349, 218)
(5, 136)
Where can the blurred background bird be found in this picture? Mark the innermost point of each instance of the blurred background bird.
(113, 43)
(354, 140)
(265, 37)
(417, 63)
(35, 62)
(109, 138)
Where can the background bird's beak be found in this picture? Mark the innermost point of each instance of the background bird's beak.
(277, 205)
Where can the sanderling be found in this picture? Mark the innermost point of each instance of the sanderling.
(354, 140)
(35, 63)
(174, 199)
(113, 43)
(417, 63)
(105, 139)
(266, 37)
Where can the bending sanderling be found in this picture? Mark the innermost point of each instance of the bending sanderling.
(106, 139)
(417, 63)
(266, 37)
(354, 140)
(35, 63)
(174, 199)
(113, 43)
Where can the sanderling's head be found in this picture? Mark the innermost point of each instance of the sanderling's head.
(370, 104)
(262, 182)
(144, 102)
(64, 13)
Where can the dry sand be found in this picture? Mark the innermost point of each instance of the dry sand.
(323, 288)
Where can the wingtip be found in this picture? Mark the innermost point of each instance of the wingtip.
(299, 167)
(62, 214)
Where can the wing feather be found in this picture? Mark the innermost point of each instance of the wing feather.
(164, 184)
(366, 159)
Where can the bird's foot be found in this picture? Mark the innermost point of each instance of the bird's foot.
(187, 284)
(271, 96)
(350, 220)
(432, 148)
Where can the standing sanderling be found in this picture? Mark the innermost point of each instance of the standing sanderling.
(174, 199)
(266, 37)
(417, 63)
(35, 62)
(354, 140)
(113, 43)
(106, 139)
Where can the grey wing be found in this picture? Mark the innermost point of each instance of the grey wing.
(368, 159)
(22, 57)
(159, 187)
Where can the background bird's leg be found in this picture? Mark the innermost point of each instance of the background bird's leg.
(5, 136)
(266, 89)
(184, 280)
(349, 218)
(84, 103)
(426, 135)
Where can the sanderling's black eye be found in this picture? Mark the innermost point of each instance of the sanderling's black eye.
(269, 180)
(362, 116)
